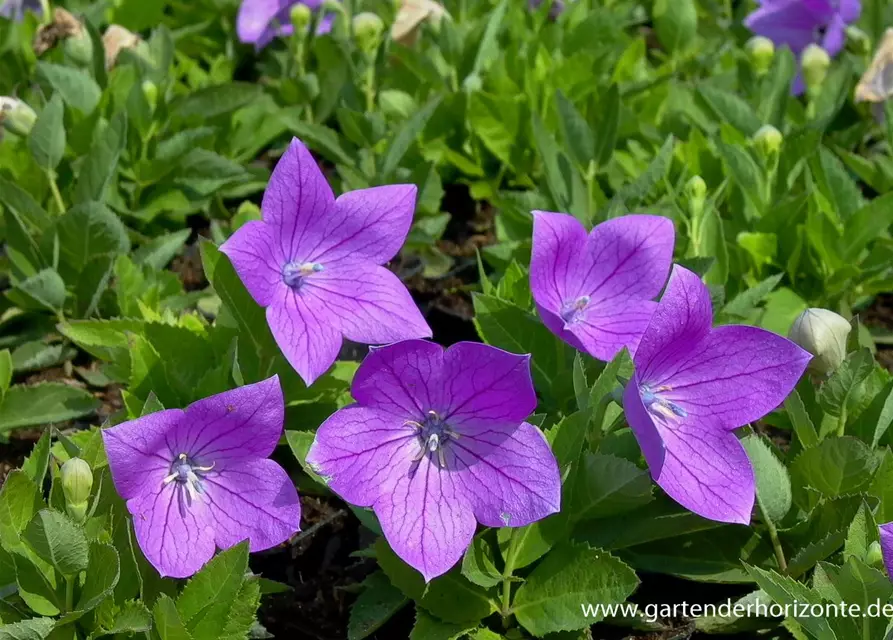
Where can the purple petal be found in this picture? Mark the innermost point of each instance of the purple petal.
(367, 224)
(253, 21)
(367, 302)
(228, 428)
(486, 387)
(403, 379)
(886, 531)
(734, 376)
(850, 10)
(511, 479)
(607, 328)
(558, 245)
(325, 24)
(703, 468)
(254, 500)
(363, 453)
(427, 519)
(258, 259)
(298, 203)
(835, 36)
(307, 338)
(791, 22)
(682, 318)
(138, 453)
(177, 538)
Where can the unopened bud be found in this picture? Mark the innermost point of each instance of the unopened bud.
(115, 39)
(858, 41)
(16, 116)
(768, 140)
(150, 91)
(300, 16)
(874, 557)
(367, 28)
(815, 62)
(696, 189)
(824, 334)
(761, 51)
(77, 483)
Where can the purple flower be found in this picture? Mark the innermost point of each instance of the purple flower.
(799, 23)
(259, 21)
(15, 9)
(595, 291)
(555, 10)
(437, 441)
(199, 478)
(692, 387)
(314, 263)
(886, 531)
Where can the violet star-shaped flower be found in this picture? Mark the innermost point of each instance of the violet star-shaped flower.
(436, 441)
(595, 291)
(799, 23)
(886, 535)
(199, 478)
(692, 387)
(259, 21)
(315, 263)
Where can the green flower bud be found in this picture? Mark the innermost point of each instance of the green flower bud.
(768, 140)
(79, 49)
(150, 91)
(815, 62)
(761, 52)
(300, 18)
(874, 557)
(472, 83)
(367, 29)
(696, 189)
(16, 116)
(858, 41)
(824, 334)
(77, 482)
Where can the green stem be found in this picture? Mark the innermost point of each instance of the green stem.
(370, 86)
(511, 556)
(69, 593)
(773, 536)
(54, 189)
(841, 420)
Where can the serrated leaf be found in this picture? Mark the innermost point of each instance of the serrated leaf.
(209, 596)
(836, 466)
(404, 138)
(159, 251)
(243, 614)
(38, 461)
(549, 601)
(74, 86)
(746, 302)
(835, 393)
(58, 541)
(45, 290)
(44, 403)
(773, 482)
(33, 629)
(47, 138)
(20, 501)
(607, 486)
(376, 604)
(99, 166)
(578, 137)
(785, 590)
(478, 563)
(103, 570)
(132, 617)
(428, 627)
(167, 621)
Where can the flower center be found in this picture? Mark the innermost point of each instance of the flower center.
(188, 476)
(294, 273)
(433, 435)
(658, 406)
(570, 310)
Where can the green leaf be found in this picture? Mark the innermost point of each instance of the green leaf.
(430, 628)
(44, 290)
(6, 368)
(635, 192)
(37, 354)
(47, 138)
(58, 541)
(606, 486)
(76, 87)
(862, 533)
(101, 163)
(159, 251)
(33, 629)
(835, 393)
(209, 596)
(744, 171)
(37, 463)
(133, 617)
(875, 420)
(37, 586)
(404, 138)
(20, 501)
(728, 107)
(746, 302)
(489, 46)
(803, 426)
(836, 466)
(87, 231)
(24, 205)
(376, 604)
(550, 599)
(676, 23)
(562, 177)
(450, 597)
(776, 89)
(103, 570)
(787, 591)
(868, 223)
(318, 137)
(578, 136)
(243, 614)
(214, 101)
(773, 482)
(43, 403)
(479, 565)
(608, 124)
(167, 621)
(496, 121)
